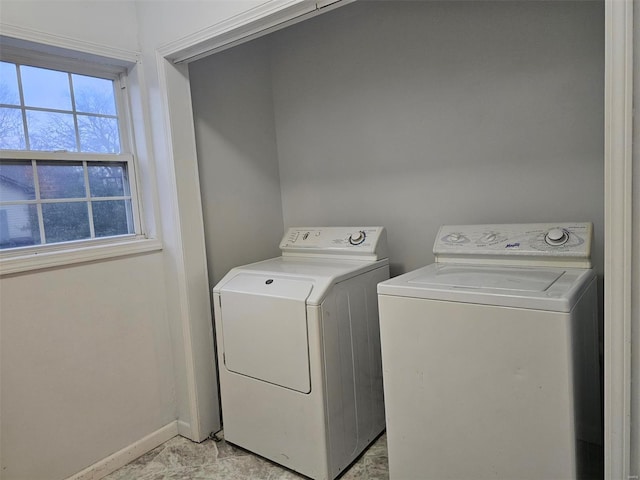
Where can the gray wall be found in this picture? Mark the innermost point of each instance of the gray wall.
(635, 280)
(237, 157)
(416, 114)
(404, 114)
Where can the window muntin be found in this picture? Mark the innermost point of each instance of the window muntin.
(76, 184)
(46, 110)
(54, 201)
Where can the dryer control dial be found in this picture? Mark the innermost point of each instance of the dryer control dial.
(556, 237)
(357, 238)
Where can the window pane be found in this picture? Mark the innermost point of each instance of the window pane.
(51, 131)
(9, 94)
(11, 129)
(108, 179)
(16, 181)
(45, 88)
(111, 217)
(64, 222)
(98, 134)
(94, 95)
(19, 226)
(61, 180)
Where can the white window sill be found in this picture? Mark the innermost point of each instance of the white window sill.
(40, 259)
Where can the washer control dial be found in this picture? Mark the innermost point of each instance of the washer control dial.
(455, 238)
(556, 237)
(489, 237)
(357, 238)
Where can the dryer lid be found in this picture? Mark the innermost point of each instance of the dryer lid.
(264, 329)
(319, 274)
(270, 286)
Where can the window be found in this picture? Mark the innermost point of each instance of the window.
(66, 171)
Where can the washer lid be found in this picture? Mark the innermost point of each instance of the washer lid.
(498, 278)
(552, 289)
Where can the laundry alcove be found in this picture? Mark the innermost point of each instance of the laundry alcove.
(403, 114)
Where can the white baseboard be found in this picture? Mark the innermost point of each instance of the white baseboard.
(121, 458)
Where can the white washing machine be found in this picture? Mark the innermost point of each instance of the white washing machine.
(490, 355)
(299, 349)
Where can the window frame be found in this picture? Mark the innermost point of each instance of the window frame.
(17, 259)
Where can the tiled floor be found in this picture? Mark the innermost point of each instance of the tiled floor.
(181, 459)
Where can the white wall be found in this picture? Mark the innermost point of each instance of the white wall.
(86, 365)
(86, 353)
(416, 114)
(173, 141)
(97, 21)
(237, 157)
(164, 21)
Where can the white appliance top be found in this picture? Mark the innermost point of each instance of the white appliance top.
(533, 244)
(313, 259)
(302, 278)
(362, 243)
(541, 288)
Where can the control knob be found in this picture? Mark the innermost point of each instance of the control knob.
(357, 238)
(456, 237)
(488, 237)
(556, 237)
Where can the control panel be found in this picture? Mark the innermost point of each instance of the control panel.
(343, 241)
(538, 243)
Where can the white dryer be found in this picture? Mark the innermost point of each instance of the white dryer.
(298, 346)
(490, 355)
